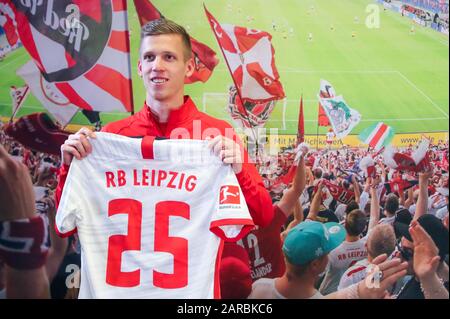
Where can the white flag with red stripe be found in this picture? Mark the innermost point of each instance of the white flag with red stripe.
(377, 136)
(82, 47)
(250, 57)
(18, 96)
(47, 93)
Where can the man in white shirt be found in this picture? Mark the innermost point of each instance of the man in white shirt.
(390, 207)
(346, 254)
(381, 240)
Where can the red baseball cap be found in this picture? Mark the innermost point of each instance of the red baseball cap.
(235, 274)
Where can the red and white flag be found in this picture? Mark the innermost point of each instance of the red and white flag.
(18, 96)
(205, 58)
(8, 23)
(82, 48)
(47, 93)
(326, 91)
(251, 59)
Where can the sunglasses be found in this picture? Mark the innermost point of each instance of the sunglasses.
(406, 253)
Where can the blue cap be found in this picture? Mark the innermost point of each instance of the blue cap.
(311, 240)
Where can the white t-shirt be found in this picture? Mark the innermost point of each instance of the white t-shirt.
(264, 288)
(387, 220)
(412, 209)
(435, 203)
(354, 274)
(442, 213)
(339, 259)
(151, 217)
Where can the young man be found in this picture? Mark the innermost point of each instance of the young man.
(353, 249)
(390, 207)
(346, 254)
(165, 61)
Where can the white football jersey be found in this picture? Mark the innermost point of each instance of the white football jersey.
(151, 216)
(339, 260)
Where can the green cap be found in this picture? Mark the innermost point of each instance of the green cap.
(311, 240)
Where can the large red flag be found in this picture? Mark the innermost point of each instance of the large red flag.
(82, 48)
(250, 58)
(301, 124)
(204, 57)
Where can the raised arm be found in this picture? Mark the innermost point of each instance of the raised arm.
(356, 190)
(315, 204)
(410, 200)
(291, 196)
(422, 200)
(25, 272)
(374, 204)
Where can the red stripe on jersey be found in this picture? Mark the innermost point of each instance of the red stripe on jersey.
(64, 235)
(73, 96)
(247, 224)
(112, 82)
(119, 5)
(118, 41)
(217, 271)
(147, 147)
(354, 271)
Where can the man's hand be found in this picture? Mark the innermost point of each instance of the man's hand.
(426, 259)
(228, 151)
(77, 145)
(383, 275)
(425, 176)
(16, 189)
(375, 181)
(300, 152)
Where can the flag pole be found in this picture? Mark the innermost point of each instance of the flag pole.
(301, 123)
(317, 130)
(234, 81)
(64, 127)
(130, 82)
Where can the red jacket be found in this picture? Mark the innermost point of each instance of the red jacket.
(189, 123)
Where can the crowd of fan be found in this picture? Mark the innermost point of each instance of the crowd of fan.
(408, 220)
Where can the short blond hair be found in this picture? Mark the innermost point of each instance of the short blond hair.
(164, 26)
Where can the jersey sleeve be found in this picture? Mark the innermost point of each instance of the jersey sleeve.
(231, 220)
(279, 216)
(68, 208)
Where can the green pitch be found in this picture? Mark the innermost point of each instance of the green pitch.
(387, 73)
